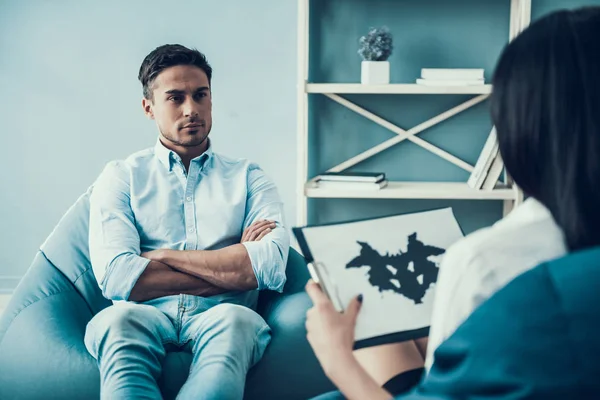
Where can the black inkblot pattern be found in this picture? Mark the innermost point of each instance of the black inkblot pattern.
(409, 274)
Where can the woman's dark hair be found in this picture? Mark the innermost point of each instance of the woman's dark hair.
(170, 55)
(546, 109)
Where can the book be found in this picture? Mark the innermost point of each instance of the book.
(489, 152)
(494, 173)
(447, 74)
(432, 82)
(352, 185)
(392, 261)
(481, 179)
(352, 176)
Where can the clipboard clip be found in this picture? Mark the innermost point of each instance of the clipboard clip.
(319, 274)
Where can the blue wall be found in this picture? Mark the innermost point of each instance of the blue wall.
(427, 34)
(70, 100)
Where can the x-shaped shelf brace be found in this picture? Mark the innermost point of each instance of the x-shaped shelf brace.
(402, 134)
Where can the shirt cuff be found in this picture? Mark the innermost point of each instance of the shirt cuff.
(122, 275)
(266, 264)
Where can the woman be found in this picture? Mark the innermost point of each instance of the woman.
(546, 109)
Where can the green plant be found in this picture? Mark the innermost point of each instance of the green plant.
(376, 45)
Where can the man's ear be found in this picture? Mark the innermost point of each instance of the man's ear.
(147, 106)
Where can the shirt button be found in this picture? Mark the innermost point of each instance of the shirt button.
(188, 198)
(191, 230)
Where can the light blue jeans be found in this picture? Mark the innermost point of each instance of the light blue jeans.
(130, 341)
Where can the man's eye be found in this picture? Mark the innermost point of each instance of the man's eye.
(201, 95)
(175, 99)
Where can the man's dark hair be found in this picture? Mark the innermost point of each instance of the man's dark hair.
(170, 55)
(546, 109)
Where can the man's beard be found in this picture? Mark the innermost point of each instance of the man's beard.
(200, 139)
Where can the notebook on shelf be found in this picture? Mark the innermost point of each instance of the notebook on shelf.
(351, 176)
(484, 162)
(453, 74)
(494, 173)
(349, 185)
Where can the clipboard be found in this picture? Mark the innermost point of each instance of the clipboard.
(339, 292)
(318, 272)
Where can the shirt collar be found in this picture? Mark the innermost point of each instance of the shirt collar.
(530, 210)
(167, 156)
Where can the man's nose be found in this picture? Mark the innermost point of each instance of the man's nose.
(190, 108)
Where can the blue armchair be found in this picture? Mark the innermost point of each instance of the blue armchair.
(42, 354)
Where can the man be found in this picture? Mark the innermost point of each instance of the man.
(181, 238)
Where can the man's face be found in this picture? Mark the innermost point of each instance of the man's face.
(181, 105)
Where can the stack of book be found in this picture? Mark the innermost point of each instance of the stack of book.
(489, 166)
(352, 180)
(451, 77)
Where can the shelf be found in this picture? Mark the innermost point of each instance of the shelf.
(395, 88)
(340, 93)
(414, 190)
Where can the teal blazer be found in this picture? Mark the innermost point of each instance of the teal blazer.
(537, 338)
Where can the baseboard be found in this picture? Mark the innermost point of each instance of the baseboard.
(8, 283)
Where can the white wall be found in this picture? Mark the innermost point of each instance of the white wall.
(70, 99)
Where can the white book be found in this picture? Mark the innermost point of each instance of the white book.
(433, 82)
(490, 149)
(465, 74)
(351, 185)
(481, 180)
(494, 173)
(352, 176)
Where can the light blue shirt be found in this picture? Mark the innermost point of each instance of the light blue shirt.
(149, 202)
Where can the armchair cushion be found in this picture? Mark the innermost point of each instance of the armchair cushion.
(42, 353)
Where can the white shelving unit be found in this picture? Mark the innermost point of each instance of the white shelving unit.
(413, 190)
(394, 88)
(520, 15)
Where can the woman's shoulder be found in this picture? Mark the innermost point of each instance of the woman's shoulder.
(489, 347)
(476, 267)
(527, 235)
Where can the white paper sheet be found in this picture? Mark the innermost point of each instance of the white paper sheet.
(393, 278)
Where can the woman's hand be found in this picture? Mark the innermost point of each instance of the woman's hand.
(330, 333)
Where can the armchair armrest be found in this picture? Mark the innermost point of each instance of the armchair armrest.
(41, 339)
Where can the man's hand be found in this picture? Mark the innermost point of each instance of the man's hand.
(154, 255)
(257, 230)
(159, 280)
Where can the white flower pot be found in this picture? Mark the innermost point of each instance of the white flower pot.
(375, 72)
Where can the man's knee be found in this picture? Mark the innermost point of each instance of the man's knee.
(242, 331)
(124, 316)
(122, 319)
(235, 317)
